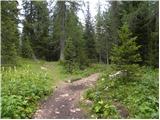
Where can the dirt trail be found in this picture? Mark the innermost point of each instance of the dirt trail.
(63, 103)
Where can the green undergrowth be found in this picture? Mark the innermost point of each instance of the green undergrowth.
(21, 90)
(94, 68)
(24, 85)
(138, 98)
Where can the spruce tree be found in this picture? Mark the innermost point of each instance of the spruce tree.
(115, 16)
(36, 28)
(10, 34)
(70, 55)
(28, 30)
(61, 5)
(153, 43)
(99, 33)
(107, 37)
(144, 14)
(74, 32)
(89, 36)
(125, 54)
(26, 51)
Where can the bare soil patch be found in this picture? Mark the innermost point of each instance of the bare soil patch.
(63, 103)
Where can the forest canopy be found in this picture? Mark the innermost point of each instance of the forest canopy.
(49, 30)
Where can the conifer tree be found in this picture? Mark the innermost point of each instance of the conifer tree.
(125, 55)
(10, 34)
(26, 51)
(69, 55)
(62, 18)
(74, 32)
(36, 28)
(144, 14)
(99, 32)
(107, 37)
(153, 43)
(89, 35)
(115, 16)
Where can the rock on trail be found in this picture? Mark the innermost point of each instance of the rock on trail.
(63, 103)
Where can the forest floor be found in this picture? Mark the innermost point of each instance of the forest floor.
(64, 101)
(26, 85)
(30, 91)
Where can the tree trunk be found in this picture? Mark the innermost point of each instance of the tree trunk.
(107, 58)
(100, 58)
(62, 40)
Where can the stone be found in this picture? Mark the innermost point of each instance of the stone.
(64, 95)
(72, 110)
(77, 109)
(88, 102)
(118, 74)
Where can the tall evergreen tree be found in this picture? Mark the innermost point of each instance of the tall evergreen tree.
(89, 35)
(99, 31)
(115, 17)
(28, 30)
(36, 28)
(62, 15)
(144, 14)
(10, 34)
(153, 43)
(125, 54)
(107, 37)
(70, 55)
(75, 32)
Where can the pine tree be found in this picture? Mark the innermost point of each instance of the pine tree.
(125, 55)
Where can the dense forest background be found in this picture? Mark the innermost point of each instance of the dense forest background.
(116, 52)
(58, 34)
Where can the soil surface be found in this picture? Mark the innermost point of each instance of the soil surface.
(64, 101)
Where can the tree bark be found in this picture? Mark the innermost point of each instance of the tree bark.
(100, 58)
(107, 58)
(62, 40)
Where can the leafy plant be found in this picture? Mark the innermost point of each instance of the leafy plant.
(139, 97)
(21, 90)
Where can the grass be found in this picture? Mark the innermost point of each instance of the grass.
(57, 72)
(23, 86)
(138, 99)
